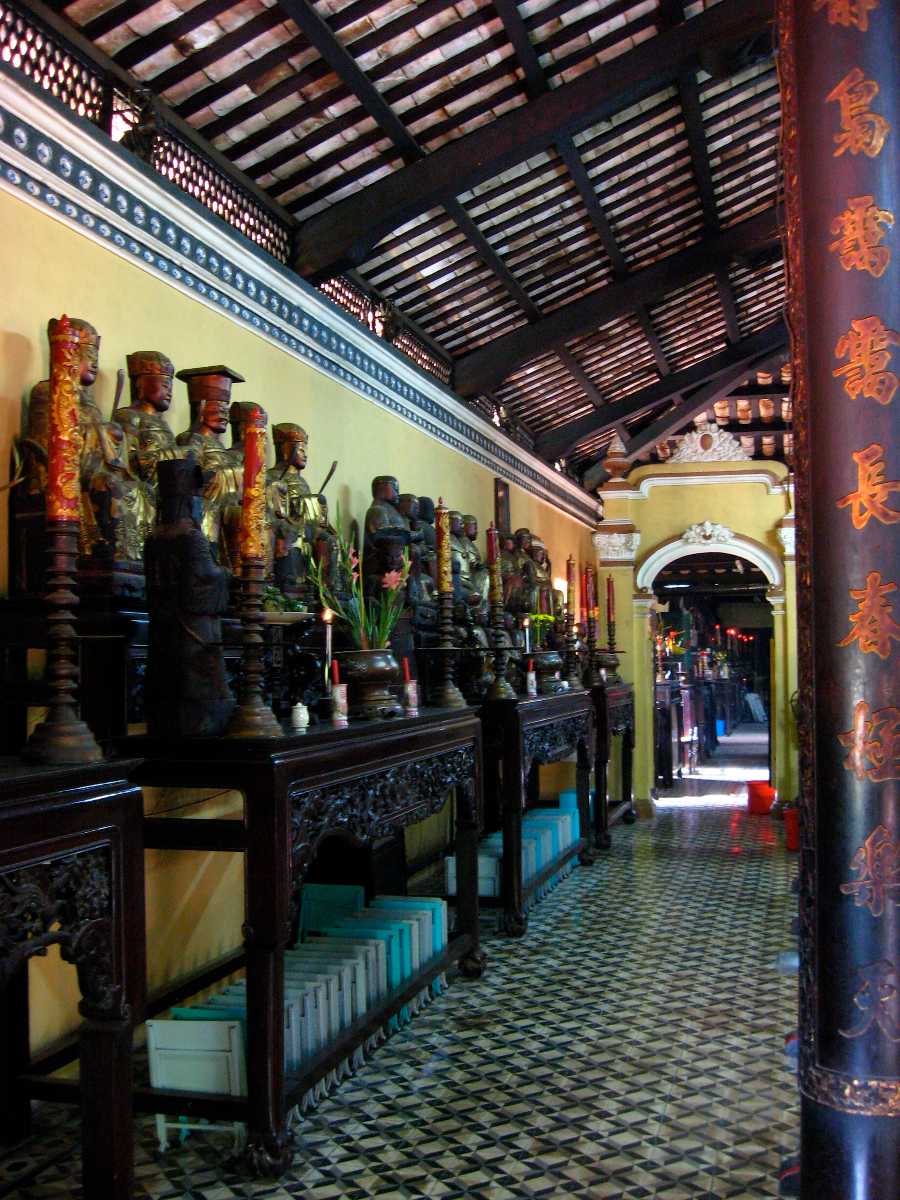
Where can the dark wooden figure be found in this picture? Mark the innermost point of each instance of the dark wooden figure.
(187, 693)
(519, 735)
(72, 875)
(840, 76)
(364, 782)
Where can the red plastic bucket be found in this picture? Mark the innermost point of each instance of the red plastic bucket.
(792, 829)
(760, 797)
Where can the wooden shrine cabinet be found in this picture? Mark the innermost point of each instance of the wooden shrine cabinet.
(614, 722)
(72, 875)
(519, 735)
(364, 782)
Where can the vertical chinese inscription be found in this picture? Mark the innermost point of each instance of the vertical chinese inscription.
(878, 999)
(872, 490)
(866, 345)
(852, 14)
(862, 131)
(873, 743)
(874, 627)
(877, 865)
(860, 229)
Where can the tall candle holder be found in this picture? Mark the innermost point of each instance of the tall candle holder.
(592, 674)
(447, 694)
(500, 689)
(62, 737)
(572, 674)
(253, 717)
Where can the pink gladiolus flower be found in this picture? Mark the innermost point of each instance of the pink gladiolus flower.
(391, 580)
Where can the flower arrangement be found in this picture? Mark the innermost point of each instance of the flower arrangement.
(371, 621)
(541, 623)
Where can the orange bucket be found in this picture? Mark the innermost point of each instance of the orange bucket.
(792, 829)
(760, 797)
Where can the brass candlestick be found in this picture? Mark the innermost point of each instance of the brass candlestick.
(447, 694)
(62, 737)
(501, 688)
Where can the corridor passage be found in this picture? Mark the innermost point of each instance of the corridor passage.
(630, 1046)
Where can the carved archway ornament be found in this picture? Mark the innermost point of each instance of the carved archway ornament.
(706, 537)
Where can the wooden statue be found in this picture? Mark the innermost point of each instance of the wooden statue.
(429, 535)
(541, 596)
(186, 693)
(150, 439)
(383, 521)
(510, 573)
(209, 394)
(477, 568)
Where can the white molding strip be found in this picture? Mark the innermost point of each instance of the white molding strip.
(736, 544)
(773, 485)
(67, 169)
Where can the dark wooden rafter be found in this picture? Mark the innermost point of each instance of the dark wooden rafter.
(268, 19)
(142, 48)
(483, 369)
(735, 361)
(345, 234)
(536, 85)
(704, 397)
(345, 66)
(69, 33)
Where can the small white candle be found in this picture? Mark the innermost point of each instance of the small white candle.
(526, 625)
(328, 618)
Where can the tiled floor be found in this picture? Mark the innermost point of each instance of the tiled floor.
(628, 1047)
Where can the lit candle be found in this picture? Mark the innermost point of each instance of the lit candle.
(253, 505)
(526, 625)
(442, 540)
(570, 586)
(64, 435)
(610, 599)
(327, 619)
(589, 593)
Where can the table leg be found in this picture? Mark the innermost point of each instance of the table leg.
(583, 789)
(15, 1109)
(474, 961)
(107, 1122)
(602, 840)
(515, 922)
(266, 932)
(630, 815)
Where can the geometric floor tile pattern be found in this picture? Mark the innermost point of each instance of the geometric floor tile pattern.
(628, 1047)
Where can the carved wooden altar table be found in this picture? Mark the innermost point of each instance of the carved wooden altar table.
(518, 735)
(365, 781)
(614, 717)
(72, 875)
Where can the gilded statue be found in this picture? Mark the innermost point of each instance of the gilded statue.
(542, 598)
(510, 573)
(209, 394)
(477, 567)
(150, 439)
(299, 519)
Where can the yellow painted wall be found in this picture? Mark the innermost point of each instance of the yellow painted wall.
(748, 509)
(195, 900)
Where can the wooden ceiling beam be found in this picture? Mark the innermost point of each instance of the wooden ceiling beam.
(344, 235)
(706, 396)
(733, 362)
(486, 367)
(213, 51)
(581, 377)
(145, 47)
(112, 18)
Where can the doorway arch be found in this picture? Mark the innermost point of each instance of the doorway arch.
(719, 541)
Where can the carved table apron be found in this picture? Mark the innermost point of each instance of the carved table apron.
(518, 735)
(364, 781)
(614, 716)
(72, 875)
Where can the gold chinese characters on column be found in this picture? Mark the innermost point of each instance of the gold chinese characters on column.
(866, 345)
(877, 865)
(849, 13)
(874, 627)
(861, 227)
(872, 490)
(862, 131)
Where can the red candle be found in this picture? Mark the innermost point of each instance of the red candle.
(610, 599)
(493, 544)
(570, 585)
(442, 545)
(64, 435)
(406, 675)
(335, 671)
(584, 603)
(590, 595)
(253, 505)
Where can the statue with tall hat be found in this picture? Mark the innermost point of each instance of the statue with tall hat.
(209, 396)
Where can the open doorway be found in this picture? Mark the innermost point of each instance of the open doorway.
(713, 687)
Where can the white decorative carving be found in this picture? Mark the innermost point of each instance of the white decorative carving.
(787, 537)
(616, 446)
(617, 547)
(705, 532)
(709, 443)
